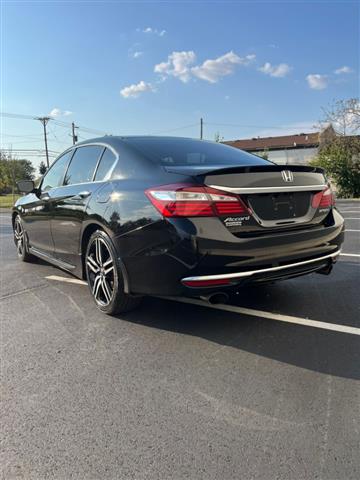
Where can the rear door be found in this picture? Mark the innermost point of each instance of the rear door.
(70, 201)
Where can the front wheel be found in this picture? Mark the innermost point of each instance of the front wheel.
(104, 276)
(20, 240)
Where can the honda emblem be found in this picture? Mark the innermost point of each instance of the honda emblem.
(287, 176)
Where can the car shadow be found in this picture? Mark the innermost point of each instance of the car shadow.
(322, 351)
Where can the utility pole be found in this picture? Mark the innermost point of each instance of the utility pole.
(44, 121)
(201, 128)
(74, 136)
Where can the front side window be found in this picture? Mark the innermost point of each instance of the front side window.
(83, 163)
(55, 175)
(106, 162)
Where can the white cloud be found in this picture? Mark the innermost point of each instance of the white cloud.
(56, 112)
(177, 65)
(213, 70)
(278, 71)
(317, 81)
(343, 69)
(133, 91)
(153, 31)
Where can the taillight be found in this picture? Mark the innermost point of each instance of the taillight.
(323, 199)
(180, 200)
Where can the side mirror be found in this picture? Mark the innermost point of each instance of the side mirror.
(25, 186)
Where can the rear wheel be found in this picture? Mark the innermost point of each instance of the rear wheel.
(21, 243)
(104, 276)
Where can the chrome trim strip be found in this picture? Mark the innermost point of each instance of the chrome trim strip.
(262, 270)
(291, 188)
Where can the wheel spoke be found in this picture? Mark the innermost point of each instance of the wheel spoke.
(96, 286)
(108, 262)
(100, 264)
(108, 270)
(94, 267)
(19, 236)
(18, 230)
(106, 290)
(98, 254)
(108, 266)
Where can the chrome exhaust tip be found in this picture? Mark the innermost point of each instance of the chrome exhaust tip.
(216, 298)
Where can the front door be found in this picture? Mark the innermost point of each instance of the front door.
(38, 209)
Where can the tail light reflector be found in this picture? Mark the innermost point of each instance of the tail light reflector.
(206, 283)
(181, 200)
(323, 199)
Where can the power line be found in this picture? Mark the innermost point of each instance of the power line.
(17, 115)
(256, 126)
(21, 136)
(60, 123)
(27, 141)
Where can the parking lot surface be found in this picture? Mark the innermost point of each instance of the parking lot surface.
(266, 389)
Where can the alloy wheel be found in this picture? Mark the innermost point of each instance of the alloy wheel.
(100, 267)
(19, 235)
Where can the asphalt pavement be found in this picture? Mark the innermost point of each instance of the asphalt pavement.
(266, 389)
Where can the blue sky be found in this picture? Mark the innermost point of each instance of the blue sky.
(153, 67)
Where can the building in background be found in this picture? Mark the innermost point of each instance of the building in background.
(287, 149)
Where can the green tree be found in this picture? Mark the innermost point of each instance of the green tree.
(42, 168)
(5, 179)
(341, 160)
(11, 171)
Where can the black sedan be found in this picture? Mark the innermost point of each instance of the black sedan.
(173, 216)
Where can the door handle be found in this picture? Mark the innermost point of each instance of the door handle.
(81, 195)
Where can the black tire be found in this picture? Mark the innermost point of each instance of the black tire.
(21, 241)
(105, 280)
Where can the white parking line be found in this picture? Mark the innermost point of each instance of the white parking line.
(270, 316)
(77, 281)
(244, 311)
(349, 211)
(349, 255)
(351, 230)
(352, 218)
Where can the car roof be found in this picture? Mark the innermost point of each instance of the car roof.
(117, 140)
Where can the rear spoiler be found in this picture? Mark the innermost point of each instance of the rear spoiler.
(219, 169)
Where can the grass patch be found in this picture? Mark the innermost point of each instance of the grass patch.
(7, 201)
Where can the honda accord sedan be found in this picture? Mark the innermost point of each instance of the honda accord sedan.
(173, 216)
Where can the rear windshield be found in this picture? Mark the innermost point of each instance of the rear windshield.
(189, 152)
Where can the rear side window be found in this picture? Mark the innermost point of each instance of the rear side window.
(172, 151)
(55, 175)
(106, 162)
(83, 163)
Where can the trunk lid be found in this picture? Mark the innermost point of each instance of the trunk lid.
(277, 196)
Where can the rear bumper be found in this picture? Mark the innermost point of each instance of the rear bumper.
(280, 271)
(160, 256)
